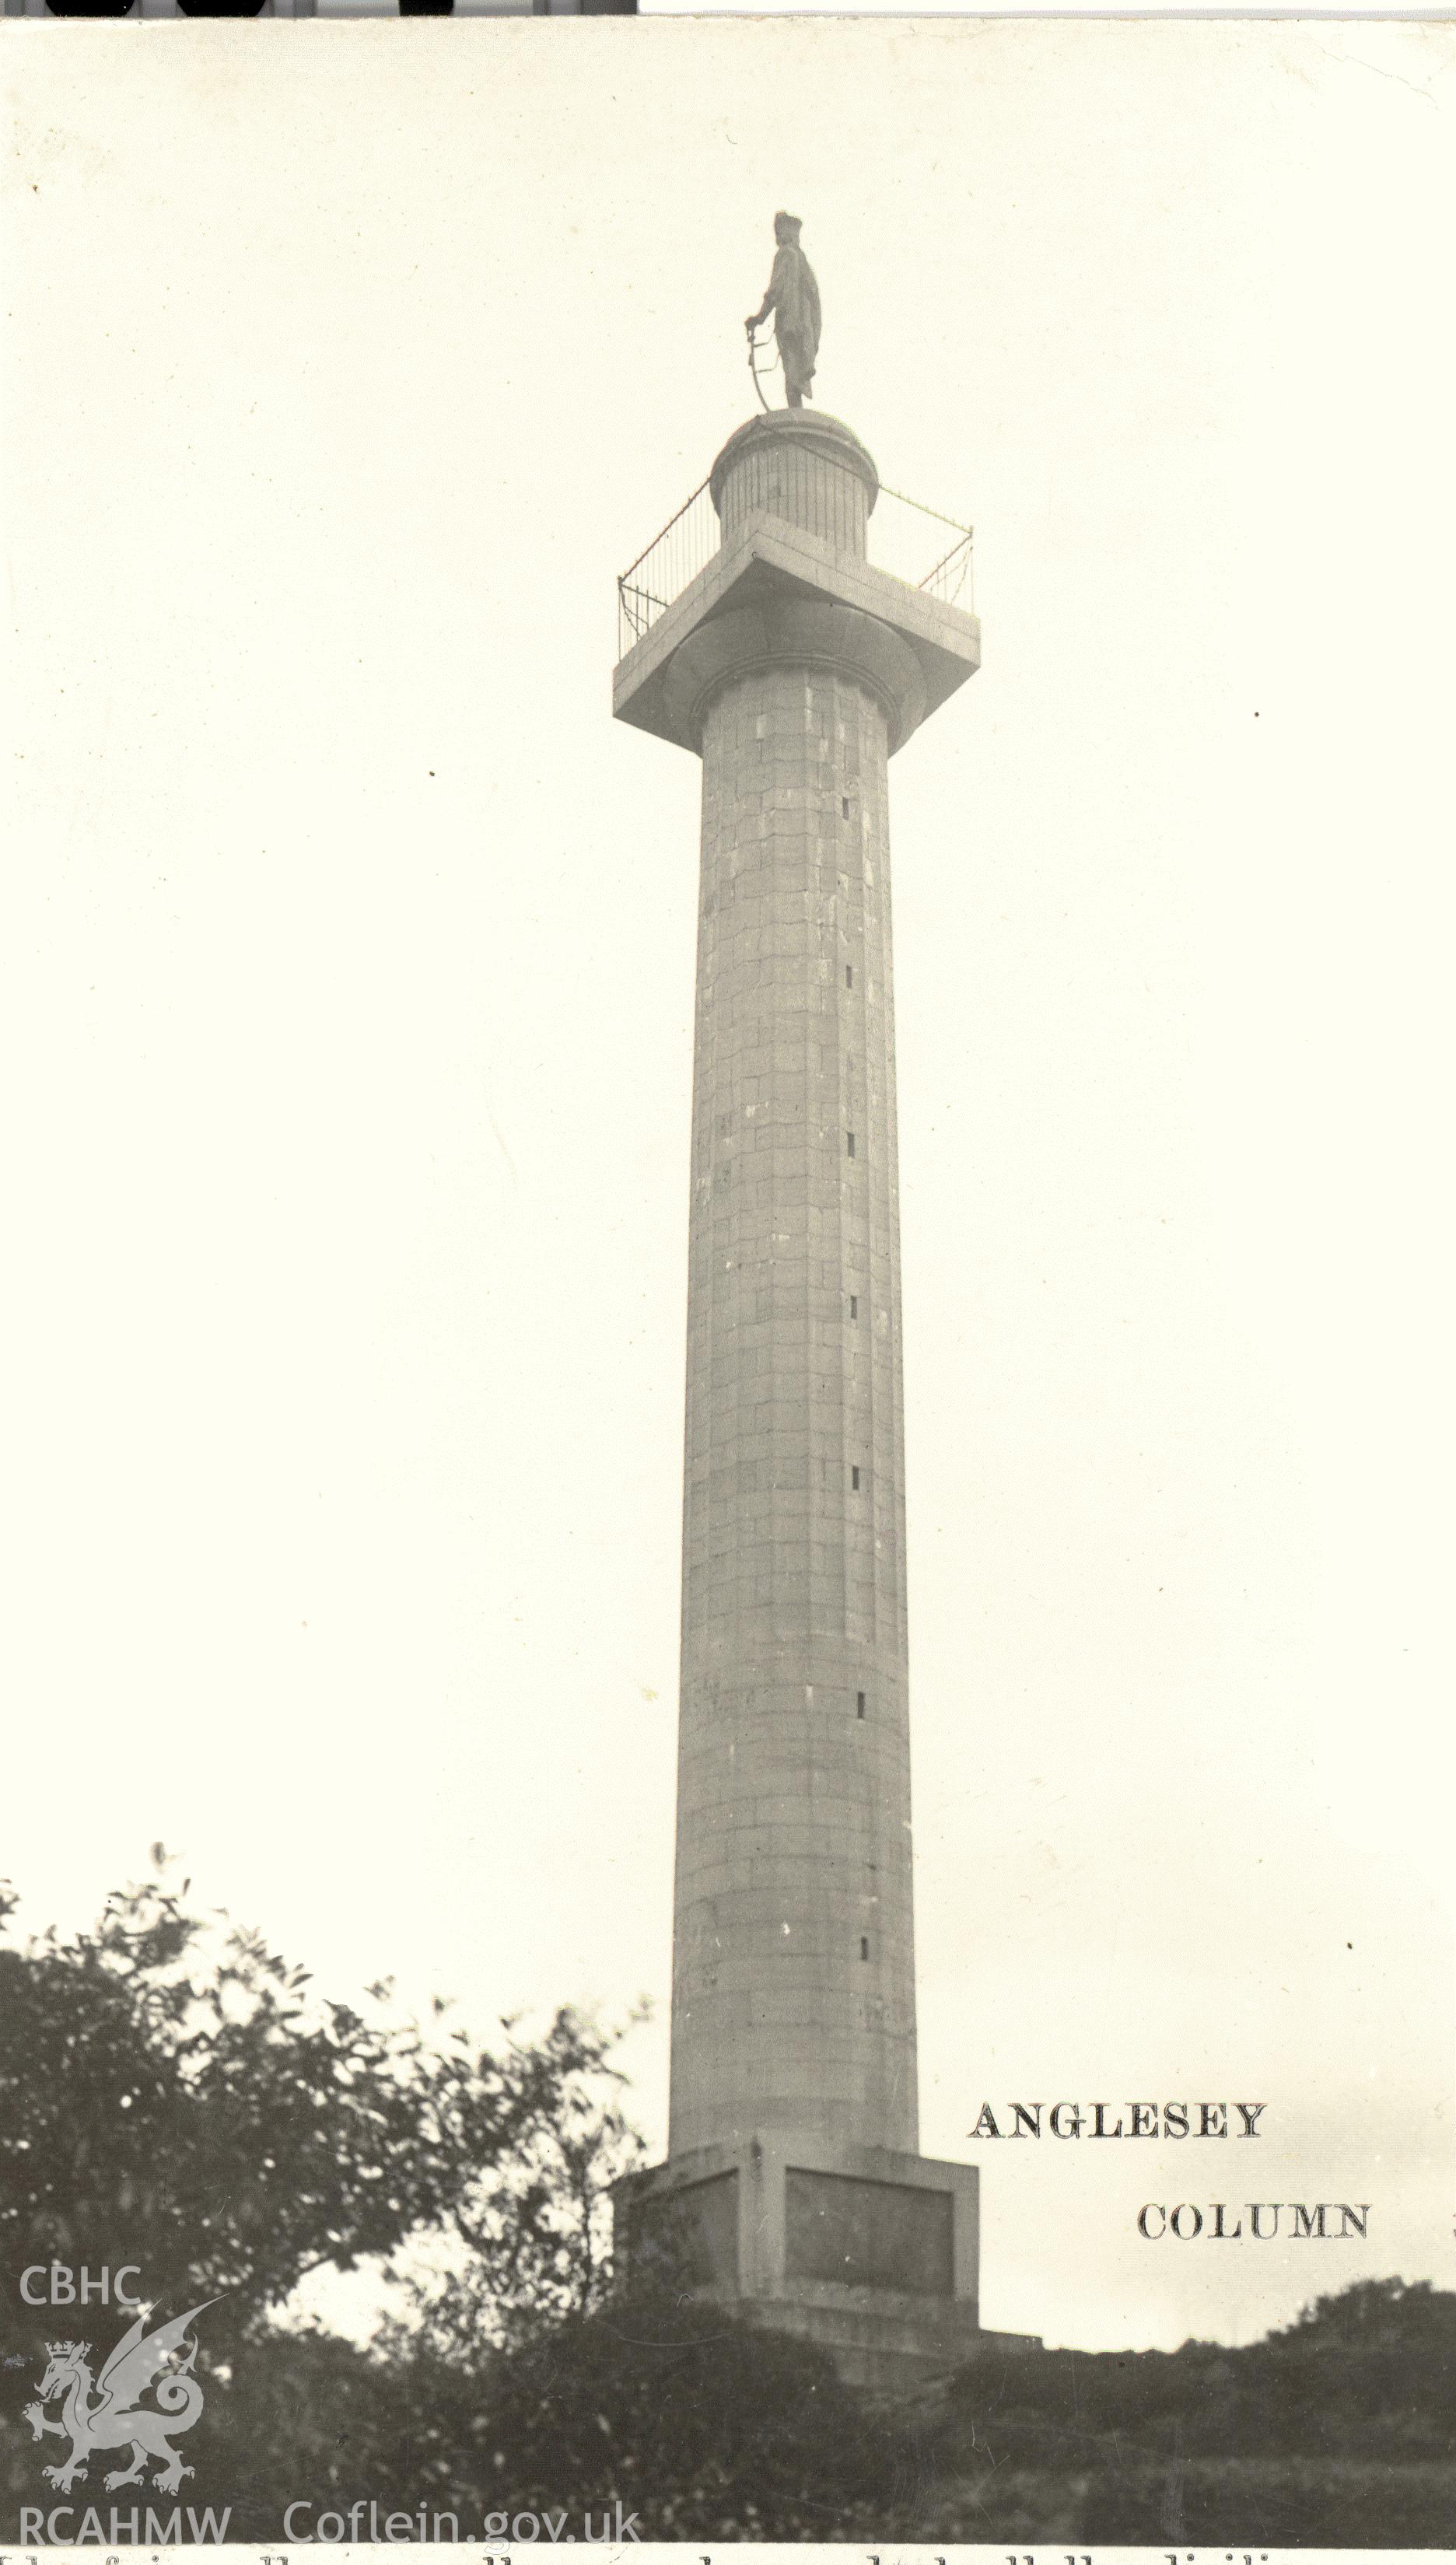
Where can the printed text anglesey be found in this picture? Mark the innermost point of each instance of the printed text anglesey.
(1121, 2120)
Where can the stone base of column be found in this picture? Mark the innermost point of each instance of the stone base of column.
(868, 2253)
(884, 2342)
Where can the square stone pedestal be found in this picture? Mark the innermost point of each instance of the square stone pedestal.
(871, 2253)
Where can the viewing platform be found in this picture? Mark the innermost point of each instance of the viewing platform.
(794, 509)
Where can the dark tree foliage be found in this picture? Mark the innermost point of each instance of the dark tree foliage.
(679, 2410)
(1339, 2430)
(174, 2095)
(705, 2429)
(1370, 2370)
(532, 2233)
(684, 2417)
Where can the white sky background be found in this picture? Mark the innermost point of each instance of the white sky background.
(347, 1003)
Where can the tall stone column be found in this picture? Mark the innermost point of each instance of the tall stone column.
(794, 2000)
(795, 670)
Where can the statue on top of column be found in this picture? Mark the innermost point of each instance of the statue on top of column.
(792, 299)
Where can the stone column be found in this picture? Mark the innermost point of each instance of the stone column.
(793, 1979)
(795, 669)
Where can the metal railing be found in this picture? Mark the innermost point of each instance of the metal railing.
(670, 564)
(949, 577)
(899, 541)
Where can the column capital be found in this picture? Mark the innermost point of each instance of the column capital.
(800, 634)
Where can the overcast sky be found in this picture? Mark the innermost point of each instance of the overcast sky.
(347, 1020)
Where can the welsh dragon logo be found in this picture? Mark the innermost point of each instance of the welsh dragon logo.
(111, 2416)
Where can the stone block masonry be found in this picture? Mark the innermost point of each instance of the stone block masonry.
(794, 1983)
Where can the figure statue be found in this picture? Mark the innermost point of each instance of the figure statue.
(792, 299)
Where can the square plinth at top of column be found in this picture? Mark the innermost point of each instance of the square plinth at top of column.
(765, 560)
